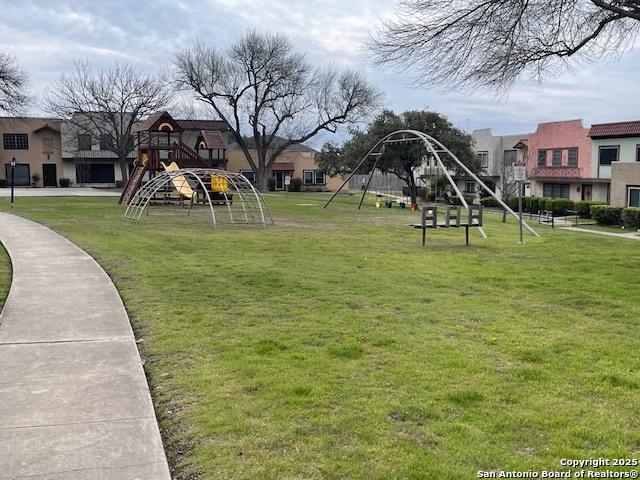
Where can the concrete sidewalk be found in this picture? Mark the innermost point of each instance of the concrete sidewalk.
(58, 192)
(74, 400)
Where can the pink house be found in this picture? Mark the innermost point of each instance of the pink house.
(559, 162)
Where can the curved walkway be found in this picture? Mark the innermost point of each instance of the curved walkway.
(74, 400)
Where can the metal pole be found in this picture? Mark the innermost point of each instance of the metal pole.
(520, 210)
(13, 177)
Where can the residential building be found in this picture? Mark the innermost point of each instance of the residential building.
(87, 158)
(559, 163)
(497, 153)
(615, 151)
(35, 144)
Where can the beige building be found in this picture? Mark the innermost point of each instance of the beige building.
(298, 161)
(35, 144)
(616, 159)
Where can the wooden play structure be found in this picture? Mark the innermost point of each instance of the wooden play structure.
(160, 146)
(454, 217)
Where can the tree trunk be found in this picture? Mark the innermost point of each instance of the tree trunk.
(262, 178)
(413, 191)
(124, 170)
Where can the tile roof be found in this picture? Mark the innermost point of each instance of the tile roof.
(213, 139)
(616, 129)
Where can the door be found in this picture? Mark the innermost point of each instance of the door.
(587, 191)
(279, 180)
(49, 175)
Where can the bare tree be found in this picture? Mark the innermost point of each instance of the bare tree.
(12, 85)
(106, 104)
(489, 43)
(507, 185)
(260, 86)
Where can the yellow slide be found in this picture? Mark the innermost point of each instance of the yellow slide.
(179, 182)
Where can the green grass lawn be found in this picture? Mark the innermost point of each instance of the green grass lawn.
(331, 345)
(5, 275)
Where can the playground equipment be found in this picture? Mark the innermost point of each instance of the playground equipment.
(434, 150)
(205, 186)
(453, 218)
(179, 182)
(159, 142)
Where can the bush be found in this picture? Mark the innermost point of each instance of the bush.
(4, 183)
(271, 184)
(65, 182)
(631, 217)
(295, 185)
(606, 215)
(489, 202)
(535, 206)
(559, 206)
(584, 207)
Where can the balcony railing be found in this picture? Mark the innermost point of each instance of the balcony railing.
(558, 172)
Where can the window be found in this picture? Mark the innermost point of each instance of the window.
(95, 173)
(637, 153)
(47, 145)
(16, 141)
(250, 174)
(470, 187)
(313, 177)
(84, 141)
(633, 197)
(542, 158)
(608, 155)
(510, 157)
(556, 157)
(483, 157)
(573, 157)
(21, 174)
(556, 190)
(105, 142)
(308, 177)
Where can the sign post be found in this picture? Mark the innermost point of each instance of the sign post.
(287, 182)
(520, 176)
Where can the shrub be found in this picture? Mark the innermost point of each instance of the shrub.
(271, 184)
(4, 183)
(489, 202)
(631, 217)
(584, 207)
(513, 203)
(65, 182)
(534, 205)
(606, 215)
(295, 185)
(560, 206)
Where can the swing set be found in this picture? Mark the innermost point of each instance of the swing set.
(464, 215)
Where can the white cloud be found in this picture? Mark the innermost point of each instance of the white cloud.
(47, 35)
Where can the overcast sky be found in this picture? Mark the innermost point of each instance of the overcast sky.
(47, 35)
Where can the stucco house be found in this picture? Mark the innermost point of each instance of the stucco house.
(497, 153)
(559, 163)
(35, 144)
(615, 151)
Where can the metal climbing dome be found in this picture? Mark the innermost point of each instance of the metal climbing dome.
(229, 197)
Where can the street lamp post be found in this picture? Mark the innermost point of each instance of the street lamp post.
(13, 176)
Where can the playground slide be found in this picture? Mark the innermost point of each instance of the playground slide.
(179, 182)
